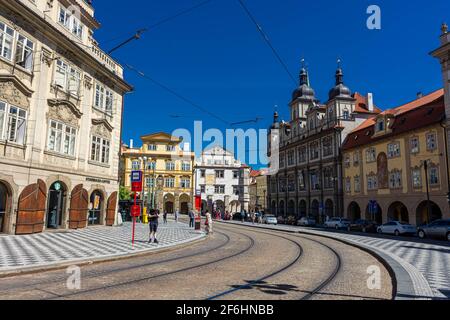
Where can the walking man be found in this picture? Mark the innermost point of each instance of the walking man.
(191, 219)
(165, 217)
(208, 223)
(153, 218)
(176, 216)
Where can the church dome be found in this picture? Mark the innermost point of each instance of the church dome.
(304, 91)
(340, 90)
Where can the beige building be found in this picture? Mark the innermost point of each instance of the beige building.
(168, 166)
(258, 191)
(60, 118)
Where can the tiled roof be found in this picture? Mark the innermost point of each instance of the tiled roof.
(362, 105)
(419, 113)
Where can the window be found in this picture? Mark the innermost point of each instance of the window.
(170, 148)
(347, 161)
(185, 183)
(348, 185)
(150, 182)
(67, 78)
(327, 147)
(220, 174)
(395, 179)
(203, 188)
(6, 41)
(314, 151)
(13, 122)
(61, 138)
(434, 175)
(415, 145)
(380, 125)
(315, 180)
(235, 174)
(186, 166)
(70, 22)
(282, 161)
(170, 182)
(136, 165)
(219, 189)
(236, 190)
(431, 142)
(104, 98)
(100, 150)
(346, 114)
(328, 178)
(202, 173)
(151, 165)
(24, 52)
(371, 155)
(152, 147)
(302, 154)
(372, 182)
(170, 166)
(356, 159)
(282, 185)
(291, 184)
(357, 184)
(417, 178)
(291, 158)
(394, 150)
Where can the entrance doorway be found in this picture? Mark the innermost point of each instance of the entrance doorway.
(56, 204)
(95, 206)
(4, 199)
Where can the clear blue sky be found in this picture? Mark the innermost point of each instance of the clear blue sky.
(215, 57)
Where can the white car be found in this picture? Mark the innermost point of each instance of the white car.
(397, 228)
(270, 220)
(337, 223)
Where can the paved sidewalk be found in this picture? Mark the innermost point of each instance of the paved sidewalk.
(428, 265)
(46, 250)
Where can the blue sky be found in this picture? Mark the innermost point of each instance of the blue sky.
(215, 57)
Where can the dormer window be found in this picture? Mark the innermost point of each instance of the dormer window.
(346, 114)
(381, 125)
(70, 22)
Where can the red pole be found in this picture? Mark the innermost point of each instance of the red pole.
(134, 219)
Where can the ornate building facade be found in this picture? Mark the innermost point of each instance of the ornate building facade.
(393, 161)
(222, 181)
(168, 168)
(61, 104)
(308, 182)
(258, 190)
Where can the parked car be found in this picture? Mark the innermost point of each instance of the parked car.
(337, 223)
(436, 229)
(397, 228)
(269, 219)
(291, 220)
(237, 216)
(281, 220)
(362, 225)
(306, 222)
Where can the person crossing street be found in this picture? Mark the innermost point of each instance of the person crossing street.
(153, 220)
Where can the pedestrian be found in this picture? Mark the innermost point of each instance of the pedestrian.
(243, 216)
(165, 217)
(153, 218)
(208, 223)
(177, 214)
(191, 219)
(253, 217)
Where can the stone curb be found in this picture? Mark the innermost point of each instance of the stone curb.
(404, 276)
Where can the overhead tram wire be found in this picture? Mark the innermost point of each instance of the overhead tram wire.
(176, 94)
(267, 40)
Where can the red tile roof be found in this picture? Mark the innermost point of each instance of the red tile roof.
(419, 113)
(362, 105)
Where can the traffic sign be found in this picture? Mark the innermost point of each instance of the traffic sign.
(136, 181)
(135, 211)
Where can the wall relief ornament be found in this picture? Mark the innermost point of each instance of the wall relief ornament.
(14, 91)
(64, 111)
(102, 128)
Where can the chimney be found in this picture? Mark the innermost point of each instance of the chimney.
(419, 95)
(131, 144)
(370, 104)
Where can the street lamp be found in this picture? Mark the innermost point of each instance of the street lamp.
(144, 161)
(425, 166)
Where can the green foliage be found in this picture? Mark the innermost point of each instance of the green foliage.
(124, 193)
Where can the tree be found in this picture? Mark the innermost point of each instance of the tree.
(124, 193)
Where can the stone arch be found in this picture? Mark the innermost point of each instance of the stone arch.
(219, 205)
(303, 208)
(291, 208)
(282, 208)
(169, 203)
(97, 207)
(422, 215)
(273, 207)
(57, 203)
(376, 215)
(398, 212)
(315, 206)
(6, 201)
(185, 201)
(329, 208)
(354, 211)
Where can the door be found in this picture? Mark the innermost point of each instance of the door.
(31, 209)
(111, 209)
(78, 208)
(56, 202)
(3, 205)
(95, 212)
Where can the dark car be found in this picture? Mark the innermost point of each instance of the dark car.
(437, 229)
(362, 225)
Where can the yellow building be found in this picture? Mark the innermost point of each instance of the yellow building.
(168, 166)
(392, 159)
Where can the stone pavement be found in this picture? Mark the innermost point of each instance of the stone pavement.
(427, 264)
(52, 249)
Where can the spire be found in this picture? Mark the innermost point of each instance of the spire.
(340, 90)
(444, 28)
(339, 73)
(304, 90)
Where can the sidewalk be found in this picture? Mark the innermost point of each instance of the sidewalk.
(50, 250)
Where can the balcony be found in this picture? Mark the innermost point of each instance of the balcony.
(107, 61)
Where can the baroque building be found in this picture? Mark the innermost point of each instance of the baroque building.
(258, 190)
(168, 171)
(307, 181)
(395, 162)
(222, 181)
(61, 105)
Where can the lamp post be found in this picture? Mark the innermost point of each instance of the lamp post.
(153, 184)
(425, 166)
(144, 160)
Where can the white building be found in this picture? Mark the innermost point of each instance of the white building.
(61, 104)
(222, 181)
